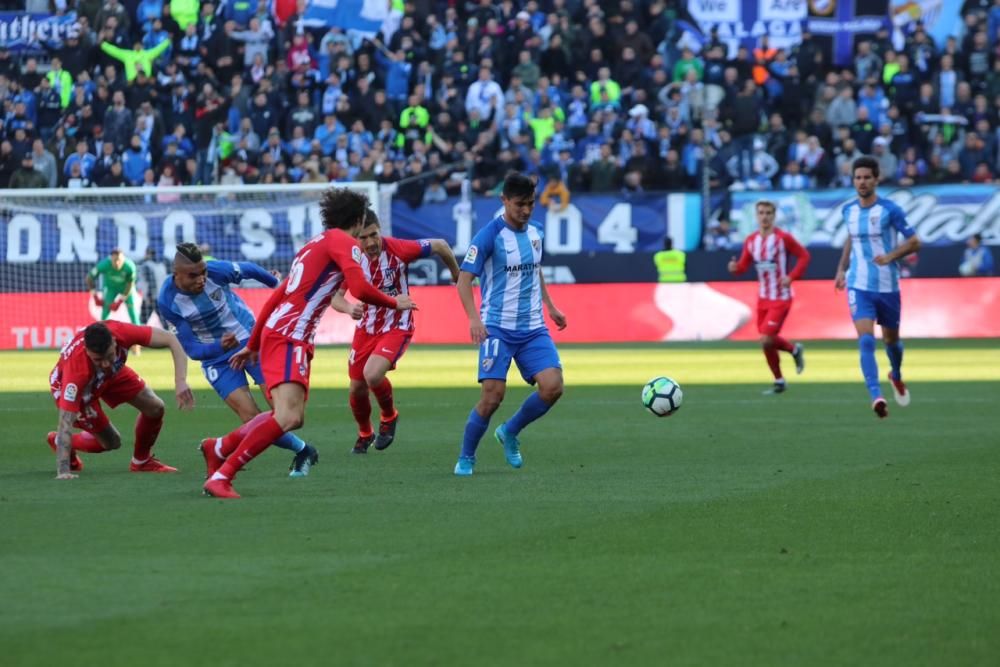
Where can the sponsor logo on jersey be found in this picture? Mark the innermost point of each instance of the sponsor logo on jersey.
(356, 254)
(528, 266)
(70, 392)
(471, 255)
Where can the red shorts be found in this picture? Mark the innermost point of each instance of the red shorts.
(392, 345)
(284, 360)
(771, 315)
(122, 388)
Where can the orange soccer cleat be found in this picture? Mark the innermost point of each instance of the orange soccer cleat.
(75, 462)
(212, 460)
(151, 465)
(220, 488)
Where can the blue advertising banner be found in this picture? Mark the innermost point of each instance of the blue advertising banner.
(591, 223)
(364, 16)
(27, 32)
(941, 214)
(837, 24)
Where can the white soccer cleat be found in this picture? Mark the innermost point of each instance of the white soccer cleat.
(899, 391)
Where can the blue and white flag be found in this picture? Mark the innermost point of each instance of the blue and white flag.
(362, 16)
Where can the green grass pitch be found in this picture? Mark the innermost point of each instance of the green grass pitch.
(745, 530)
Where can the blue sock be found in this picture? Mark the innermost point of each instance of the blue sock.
(291, 442)
(532, 408)
(895, 353)
(869, 367)
(474, 429)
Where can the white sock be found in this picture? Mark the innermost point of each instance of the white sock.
(137, 462)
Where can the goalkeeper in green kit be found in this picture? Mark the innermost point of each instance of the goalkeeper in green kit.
(119, 284)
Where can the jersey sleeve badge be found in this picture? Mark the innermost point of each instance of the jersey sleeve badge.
(356, 254)
(471, 255)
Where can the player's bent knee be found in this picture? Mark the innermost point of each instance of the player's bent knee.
(154, 409)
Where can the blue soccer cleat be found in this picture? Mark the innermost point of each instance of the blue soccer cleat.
(511, 446)
(464, 466)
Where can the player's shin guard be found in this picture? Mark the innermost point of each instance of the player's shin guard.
(895, 353)
(532, 408)
(782, 344)
(361, 408)
(475, 427)
(773, 362)
(869, 367)
(383, 394)
(146, 430)
(253, 444)
(232, 440)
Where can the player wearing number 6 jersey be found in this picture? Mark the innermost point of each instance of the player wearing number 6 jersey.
(506, 256)
(769, 250)
(382, 334)
(212, 323)
(286, 325)
(872, 280)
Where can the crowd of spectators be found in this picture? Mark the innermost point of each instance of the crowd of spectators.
(603, 97)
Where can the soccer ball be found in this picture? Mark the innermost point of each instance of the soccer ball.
(662, 396)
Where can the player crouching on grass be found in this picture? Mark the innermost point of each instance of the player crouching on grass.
(383, 334)
(286, 327)
(769, 249)
(92, 368)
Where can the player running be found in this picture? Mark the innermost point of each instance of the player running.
(212, 324)
(769, 249)
(283, 334)
(506, 256)
(118, 273)
(382, 334)
(92, 368)
(869, 270)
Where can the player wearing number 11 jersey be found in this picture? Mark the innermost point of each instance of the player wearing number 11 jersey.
(769, 249)
(284, 331)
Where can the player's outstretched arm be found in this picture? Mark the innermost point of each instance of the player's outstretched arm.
(64, 448)
(342, 305)
(556, 314)
(477, 331)
(441, 248)
(845, 261)
(161, 339)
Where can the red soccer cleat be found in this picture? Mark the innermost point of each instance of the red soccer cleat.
(220, 488)
(152, 465)
(880, 407)
(212, 460)
(75, 462)
(899, 391)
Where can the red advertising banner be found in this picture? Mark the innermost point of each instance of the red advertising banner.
(624, 312)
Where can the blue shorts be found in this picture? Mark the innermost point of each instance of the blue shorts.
(225, 380)
(533, 352)
(883, 307)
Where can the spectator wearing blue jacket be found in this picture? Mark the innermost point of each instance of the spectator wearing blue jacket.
(83, 157)
(977, 259)
(135, 162)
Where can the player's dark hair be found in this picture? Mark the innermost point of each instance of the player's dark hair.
(190, 252)
(518, 186)
(97, 337)
(371, 218)
(766, 202)
(342, 208)
(866, 162)
(115, 251)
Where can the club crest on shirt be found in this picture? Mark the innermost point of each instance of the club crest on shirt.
(356, 254)
(216, 295)
(536, 244)
(488, 363)
(471, 255)
(873, 219)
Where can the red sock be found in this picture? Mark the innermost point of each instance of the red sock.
(232, 440)
(771, 354)
(361, 406)
(782, 344)
(82, 442)
(383, 394)
(146, 430)
(253, 444)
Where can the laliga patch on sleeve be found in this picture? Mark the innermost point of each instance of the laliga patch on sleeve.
(356, 254)
(471, 255)
(70, 393)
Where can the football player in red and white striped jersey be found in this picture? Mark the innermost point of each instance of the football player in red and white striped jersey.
(285, 329)
(770, 249)
(383, 334)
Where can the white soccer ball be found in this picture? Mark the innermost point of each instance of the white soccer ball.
(662, 396)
